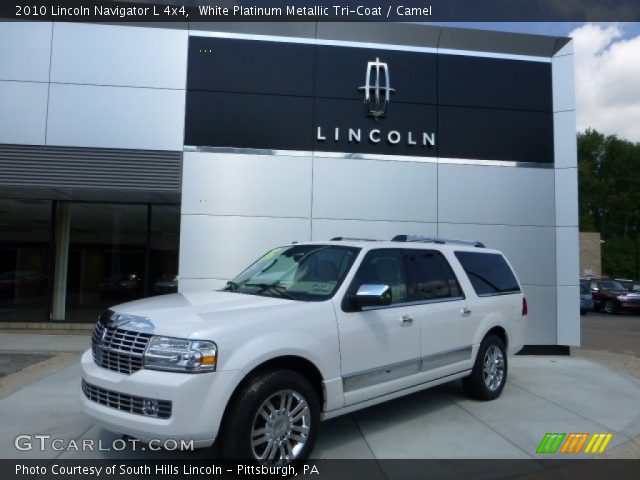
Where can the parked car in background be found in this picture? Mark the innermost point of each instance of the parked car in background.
(23, 283)
(167, 283)
(611, 297)
(120, 286)
(630, 285)
(586, 299)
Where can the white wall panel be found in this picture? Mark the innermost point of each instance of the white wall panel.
(567, 256)
(495, 195)
(115, 117)
(374, 190)
(565, 139)
(568, 315)
(221, 247)
(564, 96)
(541, 325)
(531, 250)
(252, 185)
(377, 230)
(23, 112)
(119, 55)
(25, 50)
(566, 193)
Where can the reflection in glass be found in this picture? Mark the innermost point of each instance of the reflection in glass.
(24, 259)
(165, 242)
(107, 245)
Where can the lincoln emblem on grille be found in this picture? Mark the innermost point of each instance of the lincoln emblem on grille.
(377, 89)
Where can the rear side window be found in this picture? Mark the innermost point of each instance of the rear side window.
(431, 275)
(489, 273)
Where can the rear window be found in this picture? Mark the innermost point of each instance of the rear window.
(489, 273)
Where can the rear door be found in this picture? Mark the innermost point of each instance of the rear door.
(446, 319)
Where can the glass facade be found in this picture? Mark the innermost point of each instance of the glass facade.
(25, 249)
(71, 261)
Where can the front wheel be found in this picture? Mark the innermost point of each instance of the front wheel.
(273, 419)
(489, 373)
(610, 307)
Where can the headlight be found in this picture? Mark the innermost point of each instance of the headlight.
(622, 297)
(180, 355)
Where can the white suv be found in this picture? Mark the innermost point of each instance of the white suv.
(308, 332)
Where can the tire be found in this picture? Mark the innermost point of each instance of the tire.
(610, 307)
(489, 388)
(583, 311)
(248, 412)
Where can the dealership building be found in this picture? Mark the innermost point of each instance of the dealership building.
(136, 160)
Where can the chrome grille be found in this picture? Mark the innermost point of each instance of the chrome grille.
(118, 349)
(124, 402)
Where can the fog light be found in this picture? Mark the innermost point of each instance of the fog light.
(150, 408)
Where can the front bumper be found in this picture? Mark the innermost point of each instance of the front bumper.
(198, 402)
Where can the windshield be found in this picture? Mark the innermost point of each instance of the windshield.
(298, 272)
(612, 286)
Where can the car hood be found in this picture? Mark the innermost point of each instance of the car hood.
(195, 313)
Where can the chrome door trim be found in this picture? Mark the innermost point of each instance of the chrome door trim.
(416, 302)
(394, 371)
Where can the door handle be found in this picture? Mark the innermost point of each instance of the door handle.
(465, 311)
(405, 320)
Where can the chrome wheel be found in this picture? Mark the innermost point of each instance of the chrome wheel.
(493, 368)
(280, 428)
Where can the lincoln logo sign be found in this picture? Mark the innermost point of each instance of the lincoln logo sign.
(377, 96)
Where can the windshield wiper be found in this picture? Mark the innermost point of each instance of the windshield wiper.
(273, 288)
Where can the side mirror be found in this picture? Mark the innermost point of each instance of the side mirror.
(370, 295)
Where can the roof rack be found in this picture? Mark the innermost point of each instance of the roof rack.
(353, 239)
(429, 239)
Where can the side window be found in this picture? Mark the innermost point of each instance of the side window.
(431, 275)
(489, 273)
(384, 267)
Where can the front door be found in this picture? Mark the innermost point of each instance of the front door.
(380, 346)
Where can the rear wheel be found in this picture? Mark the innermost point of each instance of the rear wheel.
(489, 373)
(273, 419)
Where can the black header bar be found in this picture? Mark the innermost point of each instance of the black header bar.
(322, 10)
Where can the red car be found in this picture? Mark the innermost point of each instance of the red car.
(611, 297)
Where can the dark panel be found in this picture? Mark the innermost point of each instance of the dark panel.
(499, 42)
(380, 32)
(248, 121)
(402, 117)
(494, 83)
(495, 134)
(248, 66)
(340, 71)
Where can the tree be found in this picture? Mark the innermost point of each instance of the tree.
(609, 192)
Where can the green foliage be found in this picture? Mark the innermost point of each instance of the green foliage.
(609, 191)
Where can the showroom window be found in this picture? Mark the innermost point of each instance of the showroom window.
(25, 236)
(69, 261)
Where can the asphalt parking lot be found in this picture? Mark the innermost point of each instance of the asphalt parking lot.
(614, 333)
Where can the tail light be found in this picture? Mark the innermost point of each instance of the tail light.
(525, 307)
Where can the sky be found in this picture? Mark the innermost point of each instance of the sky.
(607, 71)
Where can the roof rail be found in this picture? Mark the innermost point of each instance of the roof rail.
(353, 239)
(429, 239)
